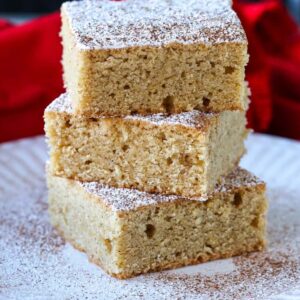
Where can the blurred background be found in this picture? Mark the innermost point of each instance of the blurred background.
(31, 73)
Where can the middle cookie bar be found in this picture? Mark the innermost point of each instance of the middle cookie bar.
(185, 154)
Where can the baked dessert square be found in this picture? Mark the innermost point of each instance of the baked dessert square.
(128, 232)
(127, 57)
(184, 154)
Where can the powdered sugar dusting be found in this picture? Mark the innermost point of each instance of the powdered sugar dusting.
(122, 199)
(238, 178)
(61, 104)
(37, 264)
(105, 24)
(129, 199)
(192, 119)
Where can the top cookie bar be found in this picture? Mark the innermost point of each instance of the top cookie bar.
(123, 57)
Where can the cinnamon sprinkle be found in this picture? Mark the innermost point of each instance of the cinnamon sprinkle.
(104, 24)
(35, 262)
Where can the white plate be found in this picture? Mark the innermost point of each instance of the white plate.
(35, 263)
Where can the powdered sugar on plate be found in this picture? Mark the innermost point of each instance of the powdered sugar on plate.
(37, 264)
(104, 24)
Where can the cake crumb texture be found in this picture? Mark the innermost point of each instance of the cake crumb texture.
(127, 57)
(160, 234)
(150, 153)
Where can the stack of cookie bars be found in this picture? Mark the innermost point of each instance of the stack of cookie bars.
(145, 144)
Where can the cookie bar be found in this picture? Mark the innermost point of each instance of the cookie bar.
(127, 57)
(128, 232)
(184, 154)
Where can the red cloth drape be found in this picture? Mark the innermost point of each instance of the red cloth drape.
(30, 71)
(30, 75)
(274, 68)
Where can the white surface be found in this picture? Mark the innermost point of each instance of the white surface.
(36, 264)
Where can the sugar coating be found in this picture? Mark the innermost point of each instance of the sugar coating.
(194, 118)
(121, 199)
(61, 104)
(105, 24)
(34, 258)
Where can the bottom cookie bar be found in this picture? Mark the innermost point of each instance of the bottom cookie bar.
(128, 232)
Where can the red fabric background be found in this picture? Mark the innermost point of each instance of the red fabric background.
(274, 68)
(30, 71)
(30, 75)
